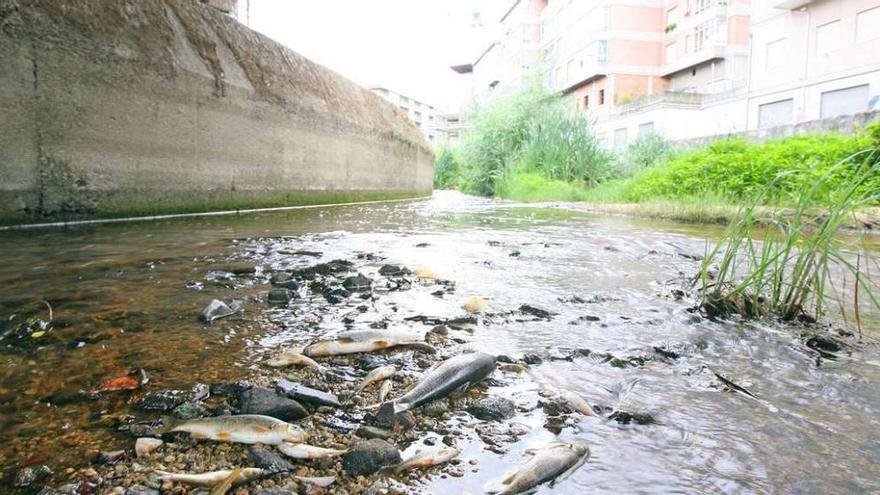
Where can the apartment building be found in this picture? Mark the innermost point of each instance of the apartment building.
(433, 124)
(694, 68)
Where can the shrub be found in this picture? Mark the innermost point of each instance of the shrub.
(644, 153)
(447, 168)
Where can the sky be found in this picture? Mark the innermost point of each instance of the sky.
(406, 46)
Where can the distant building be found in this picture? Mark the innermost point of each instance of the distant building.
(691, 68)
(423, 115)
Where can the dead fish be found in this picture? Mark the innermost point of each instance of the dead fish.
(303, 451)
(243, 428)
(426, 459)
(385, 389)
(374, 376)
(224, 486)
(458, 372)
(212, 478)
(475, 305)
(293, 357)
(550, 464)
(576, 402)
(364, 341)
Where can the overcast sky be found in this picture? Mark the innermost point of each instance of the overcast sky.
(404, 45)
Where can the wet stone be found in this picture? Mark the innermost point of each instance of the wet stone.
(492, 409)
(536, 312)
(163, 400)
(31, 476)
(146, 445)
(279, 296)
(302, 393)
(217, 309)
(284, 280)
(237, 268)
(626, 418)
(369, 432)
(190, 410)
(336, 296)
(369, 456)
(264, 458)
(268, 403)
(392, 271)
(230, 389)
(385, 418)
(532, 359)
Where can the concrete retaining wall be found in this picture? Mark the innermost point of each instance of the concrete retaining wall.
(125, 108)
(846, 124)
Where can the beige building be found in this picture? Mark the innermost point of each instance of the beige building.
(693, 68)
(433, 124)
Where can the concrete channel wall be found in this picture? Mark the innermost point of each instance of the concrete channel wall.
(135, 107)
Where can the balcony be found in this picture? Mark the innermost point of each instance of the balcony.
(713, 51)
(792, 4)
(675, 99)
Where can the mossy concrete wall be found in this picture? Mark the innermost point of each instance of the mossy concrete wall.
(124, 107)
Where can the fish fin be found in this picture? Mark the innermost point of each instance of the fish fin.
(225, 485)
(398, 408)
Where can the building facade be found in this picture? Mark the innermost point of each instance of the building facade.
(437, 127)
(693, 68)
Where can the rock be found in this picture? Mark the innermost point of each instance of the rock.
(268, 403)
(190, 410)
(336, 296)
(369, 432)
(556, 407)
(492, 409)
(31, 476)
(626, 418)
(536, 312)
(230, 389)
(217, 309)
(264, 458)
(145, 445)
(385, 418)
(237, 268)
(584, 319)
(514, 254)
(163, 400)
(439, 330)
(462, 323)
(279, 297)
(284, 280)
(141, 490)
(532, 359)
(46, 490)
(392, 271)
(301, 393)
(369, 456)
(358, 283)
(435, 409)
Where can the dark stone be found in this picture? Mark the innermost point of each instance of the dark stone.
(369, 456)
(626, 418)
(503, 358)
(492, 409)
(217, 309)
(141, 490)
(358, 283)
(284, 280)
(532, 359)
(31, 475)
(190, 410)
(555, 407)
(583, 319)
(368, 432)
(268, 403)
(422, 245)
(385, 418)
(163, 400)
(462, 322)
(237, 268)
(515, 254)
(264, 458)
(302, 393)
(230, 389)
(138, 430)
(336, 296)
(392, 271)
(279, 296)
(536, 312)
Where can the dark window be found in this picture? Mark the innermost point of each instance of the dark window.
(587, 101)
(693, 72)
(601, 96)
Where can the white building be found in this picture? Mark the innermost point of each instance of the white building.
(423, 115)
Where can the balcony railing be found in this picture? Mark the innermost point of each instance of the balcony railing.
(676, 98)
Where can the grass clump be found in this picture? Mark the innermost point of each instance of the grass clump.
(783, 266)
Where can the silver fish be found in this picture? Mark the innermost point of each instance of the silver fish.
(576, 402)
(455, 373)
(303, 451)
(364, 341)
(427, 459)
(293, 357)
(243, 428)
(374, 376)
(212, 478)
(385, 389)
(550, 464)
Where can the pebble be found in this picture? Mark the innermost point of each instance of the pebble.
(145, 445)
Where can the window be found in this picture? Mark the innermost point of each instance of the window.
(775, 54)
(828, 37)
(845, 101)
(602, 55)
(646, 129)
(670, 53)
(868, 25)
(620, 137)
(776, 114)
(703, 35)
(701, 5)
(586, 101)
(601, 96)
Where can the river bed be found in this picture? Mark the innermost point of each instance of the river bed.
(126, 296)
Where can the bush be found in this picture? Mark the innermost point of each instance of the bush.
(447, 169)
(644, 153)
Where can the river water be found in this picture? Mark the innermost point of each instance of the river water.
(125, 296)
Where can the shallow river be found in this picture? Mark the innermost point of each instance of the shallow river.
(126, 296)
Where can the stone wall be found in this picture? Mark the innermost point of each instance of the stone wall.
(846, 124)
(125, 108)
